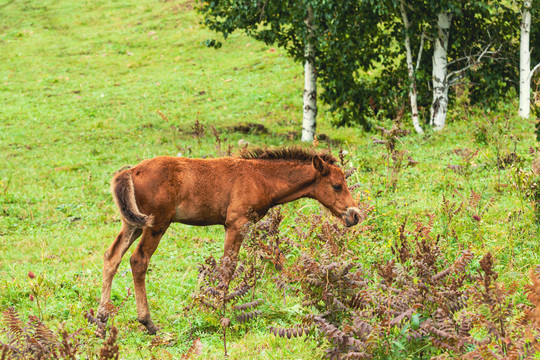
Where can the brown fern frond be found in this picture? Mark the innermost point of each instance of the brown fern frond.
(15, 326)
(109, 349)
(208, 304)
(359, 300)
(440, 334)
(404, 315)
(281, 284)
(331, 332)
(442, 274)
(249, 305)
(246, 316)
(67, 349)
(40, 332)
(5, 352)
(295, 331)
(211, 291)
(457, 267)
(387, 271)
(463, 261)
(486, 264)
(238, 292)
(533, 295)
(194, 350)
(240, 268)
(474, 199)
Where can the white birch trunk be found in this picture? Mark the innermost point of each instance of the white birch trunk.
(439, 106)
(410, 68)
(309, 123)
(525, 62)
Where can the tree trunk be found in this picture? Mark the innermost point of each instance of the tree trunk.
(310, 85)
(439, 106)
(410, 68)
(525, 62)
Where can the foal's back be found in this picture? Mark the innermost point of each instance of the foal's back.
(190, 191)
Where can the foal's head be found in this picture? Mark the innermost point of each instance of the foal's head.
(331, 190)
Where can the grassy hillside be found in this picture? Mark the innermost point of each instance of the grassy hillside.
(89, 86)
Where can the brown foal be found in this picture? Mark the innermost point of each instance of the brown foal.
(159, 191)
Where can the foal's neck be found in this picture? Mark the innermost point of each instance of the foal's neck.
(286, 182)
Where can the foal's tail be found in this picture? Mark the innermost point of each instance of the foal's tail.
(124, 197)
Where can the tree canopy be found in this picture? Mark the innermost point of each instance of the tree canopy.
(359, 47)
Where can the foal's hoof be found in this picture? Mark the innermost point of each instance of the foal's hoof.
(150, 326)
(102, 317)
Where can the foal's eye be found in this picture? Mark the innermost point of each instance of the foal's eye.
(337, 187)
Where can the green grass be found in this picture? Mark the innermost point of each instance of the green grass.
(80, 87)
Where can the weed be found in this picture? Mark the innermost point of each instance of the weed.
(218, 144)
(526, 186)
(395, 160)
(467, 156)
(198, 131)
(35, 340)
(416, 306)
(214, 294)
(112, 311)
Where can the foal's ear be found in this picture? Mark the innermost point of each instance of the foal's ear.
(320, 165)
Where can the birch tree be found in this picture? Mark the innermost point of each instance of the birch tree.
(410, 67)
(439, 106)
(334, 40)
(287, 24)
(471, 37)
(525, 61)
(309, 123)
(460, 39)
(525, 72)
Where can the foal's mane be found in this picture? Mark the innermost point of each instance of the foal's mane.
(287, 153)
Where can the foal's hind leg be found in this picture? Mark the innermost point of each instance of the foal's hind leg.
(139, 265)
(113, 256)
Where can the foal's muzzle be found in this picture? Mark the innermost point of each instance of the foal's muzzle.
(351, 217)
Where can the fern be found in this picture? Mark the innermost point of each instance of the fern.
(414, 301)
(216, 296)
(35, 340)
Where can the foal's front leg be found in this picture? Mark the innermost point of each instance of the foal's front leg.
(233, 242)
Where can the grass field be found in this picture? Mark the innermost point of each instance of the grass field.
(87, 87)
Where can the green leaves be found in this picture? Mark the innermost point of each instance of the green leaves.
(212, 43)
(359, 46)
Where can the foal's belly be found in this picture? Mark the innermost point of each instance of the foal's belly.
(200, 216)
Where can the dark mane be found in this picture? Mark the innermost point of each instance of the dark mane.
(286, 153)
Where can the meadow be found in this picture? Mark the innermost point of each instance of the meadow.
(88, 87)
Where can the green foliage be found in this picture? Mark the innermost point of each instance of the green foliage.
(360, 50)
(346, 36)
